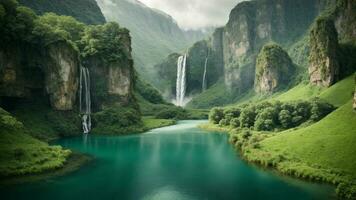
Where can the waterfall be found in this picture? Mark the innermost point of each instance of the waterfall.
(84, 99)
(181, 80)
(204, 85)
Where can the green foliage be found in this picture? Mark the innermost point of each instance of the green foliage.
(215, 115)
(108, 41)
(117, 120)
(42, 122)
(172, 113)
(86, 11)
(309, 158)
(216, 95)
(150, 122)
(52, 28)
(21, 154)
(267, 116)
(148, 92)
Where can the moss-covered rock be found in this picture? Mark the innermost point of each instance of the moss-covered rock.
(323, 62)
(274, 69)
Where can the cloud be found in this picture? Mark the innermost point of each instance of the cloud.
(195, 14)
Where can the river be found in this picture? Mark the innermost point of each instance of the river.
(179, 162)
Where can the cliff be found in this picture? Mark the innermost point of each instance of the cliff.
(252, 24)
(323, 62)
(274, 69)
(40, 65)
(53, 69)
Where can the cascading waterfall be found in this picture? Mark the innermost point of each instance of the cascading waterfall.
(204, 85)
(84, 94)
(181, 80)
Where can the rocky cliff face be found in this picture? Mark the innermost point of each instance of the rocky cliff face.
(274, 69)
(113, 81)
(61, 75)
(323, 63)
(25, 70)
(345, 20)
(252, 24)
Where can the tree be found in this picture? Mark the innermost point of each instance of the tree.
(285, 118)
(215, 115)
(247, 117)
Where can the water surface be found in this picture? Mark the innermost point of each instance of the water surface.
(178, 162)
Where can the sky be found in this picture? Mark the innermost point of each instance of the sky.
(195, 14)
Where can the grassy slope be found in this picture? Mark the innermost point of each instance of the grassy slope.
(322, 151)
(151, 123)
(22, 154)
(330, 143)
(341, 92)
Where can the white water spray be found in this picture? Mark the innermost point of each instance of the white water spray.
(84, 94)
(181, 80)
(204, 84)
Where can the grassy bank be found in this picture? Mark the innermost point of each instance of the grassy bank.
(151, 123)
(323, 152)
(21, 154)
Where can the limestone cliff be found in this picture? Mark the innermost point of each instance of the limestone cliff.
(25, 70)
(252, 24)
(274, 69)
(323, 63)
(61, 75)
(113, 82)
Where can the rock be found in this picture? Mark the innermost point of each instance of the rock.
(323, 64)
(274, 69)
(119, 81)
(254, 23)
(61, 75)
(113, 81)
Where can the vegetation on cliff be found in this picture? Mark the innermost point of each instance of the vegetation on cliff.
(274, 69)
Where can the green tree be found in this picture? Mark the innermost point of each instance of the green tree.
(215, 115)
(285, 118)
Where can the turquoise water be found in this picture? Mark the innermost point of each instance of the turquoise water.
(178, 162)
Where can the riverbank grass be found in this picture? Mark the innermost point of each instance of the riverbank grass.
(150, 122)
(21, 154)
(324, 151)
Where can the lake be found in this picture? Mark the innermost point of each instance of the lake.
(179, 162)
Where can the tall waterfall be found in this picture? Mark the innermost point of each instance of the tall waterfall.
(181, 80)
(84, 99)
(204, 85)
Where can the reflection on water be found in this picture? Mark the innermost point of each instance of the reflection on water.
(177, 162)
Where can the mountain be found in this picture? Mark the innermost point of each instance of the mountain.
(234, 49)
(86, 11)
(154, 33)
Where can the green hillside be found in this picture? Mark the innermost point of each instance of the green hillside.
(86, 11)
(21, 154)
(323, 151)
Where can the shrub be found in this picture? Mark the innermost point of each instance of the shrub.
(247, 118)
(235, 122)
(285, 118)
(215, 115)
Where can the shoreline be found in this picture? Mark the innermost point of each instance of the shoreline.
(75, 161)
(271, 168)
